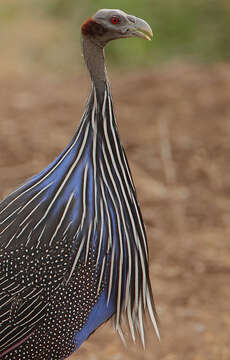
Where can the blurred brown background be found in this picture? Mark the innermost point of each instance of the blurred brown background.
(173, 112)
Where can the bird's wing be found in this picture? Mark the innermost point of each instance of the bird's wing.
(28, 279)
(39, 223)
(21, 310)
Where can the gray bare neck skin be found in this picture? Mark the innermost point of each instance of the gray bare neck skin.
(94, 58)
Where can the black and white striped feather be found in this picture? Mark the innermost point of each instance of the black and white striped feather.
(84, 202)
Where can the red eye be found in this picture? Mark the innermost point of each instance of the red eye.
(115, 20)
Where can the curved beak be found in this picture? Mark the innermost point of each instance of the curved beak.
(140, 28)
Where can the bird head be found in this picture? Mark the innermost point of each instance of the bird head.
(110, 24)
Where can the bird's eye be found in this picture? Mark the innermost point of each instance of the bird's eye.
(115, 20)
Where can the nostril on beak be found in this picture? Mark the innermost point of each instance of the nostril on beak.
(132, 19)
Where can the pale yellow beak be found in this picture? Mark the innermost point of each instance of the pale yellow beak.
(142, 29)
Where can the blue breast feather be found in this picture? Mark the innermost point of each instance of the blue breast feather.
(86, 197)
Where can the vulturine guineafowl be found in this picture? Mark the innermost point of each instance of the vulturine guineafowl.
(73, 249)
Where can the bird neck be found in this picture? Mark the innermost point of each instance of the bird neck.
(93, 54)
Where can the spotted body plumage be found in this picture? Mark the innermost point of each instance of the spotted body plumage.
(73, 249)
(53, 308)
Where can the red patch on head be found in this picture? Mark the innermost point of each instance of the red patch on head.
(91, 28)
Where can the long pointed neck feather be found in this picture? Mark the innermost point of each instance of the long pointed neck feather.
(86, 200)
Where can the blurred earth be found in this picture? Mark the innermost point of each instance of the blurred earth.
(175, 125)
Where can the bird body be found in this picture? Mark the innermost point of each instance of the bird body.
(73, 250)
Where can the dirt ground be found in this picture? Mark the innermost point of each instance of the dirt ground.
(175, 125)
